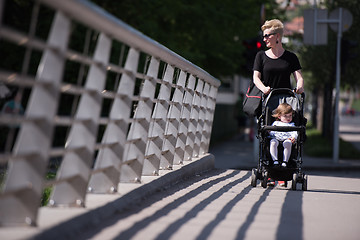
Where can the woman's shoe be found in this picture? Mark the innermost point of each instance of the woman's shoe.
(281, 183)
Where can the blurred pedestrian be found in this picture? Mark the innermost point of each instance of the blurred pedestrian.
(12, 107)
(240, 117)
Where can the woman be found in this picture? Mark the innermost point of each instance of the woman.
(273, 67)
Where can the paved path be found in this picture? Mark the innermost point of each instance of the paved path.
(222, 205)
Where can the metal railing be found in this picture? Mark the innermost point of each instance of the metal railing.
(92, 120)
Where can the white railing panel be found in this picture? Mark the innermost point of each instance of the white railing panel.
(24, 183)
(138, 134)
(91, 122)
(110, 158)
(157, 126)
(76, 164)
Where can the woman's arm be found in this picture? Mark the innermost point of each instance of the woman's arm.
(299, 81)
(259, 84)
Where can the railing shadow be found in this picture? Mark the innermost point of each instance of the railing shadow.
(205, 233)
(291, 221)
(173, 227)
(170, 230)
(138, 226)
(251, 216)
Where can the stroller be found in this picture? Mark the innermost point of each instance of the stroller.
(266, 169)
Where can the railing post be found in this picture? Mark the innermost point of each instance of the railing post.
(24, 184)
(210, 110)
(192, 120)
(195, 141)
(201, 130)
(138, 134)
(157, 126)
(169, 156)
(182, 145)
(75, 169)
(115, 134)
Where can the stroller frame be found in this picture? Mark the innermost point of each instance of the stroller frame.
(265, 169)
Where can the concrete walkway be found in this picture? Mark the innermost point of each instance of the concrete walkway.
(67, 223)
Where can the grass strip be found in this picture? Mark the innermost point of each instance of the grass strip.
(318, 146)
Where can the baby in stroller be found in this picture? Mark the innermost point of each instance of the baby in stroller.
(281, 127)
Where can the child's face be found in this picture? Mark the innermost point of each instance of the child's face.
(286, 118)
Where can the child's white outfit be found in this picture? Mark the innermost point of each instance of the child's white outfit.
(281, 136)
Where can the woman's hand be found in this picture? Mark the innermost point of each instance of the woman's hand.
(299, 82)
(266, 90)
(299, 90)
(292, 139)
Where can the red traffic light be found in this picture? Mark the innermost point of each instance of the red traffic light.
(258, 45)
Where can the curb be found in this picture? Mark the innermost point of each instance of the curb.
(70, 228)
(319, 166)
(312, 168)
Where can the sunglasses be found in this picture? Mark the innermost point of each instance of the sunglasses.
(268, 35)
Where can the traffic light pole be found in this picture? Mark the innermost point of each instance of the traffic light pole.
(337, 93)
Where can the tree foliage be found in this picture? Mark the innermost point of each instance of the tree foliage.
(351, 69)
(320, 61)
(208, 33)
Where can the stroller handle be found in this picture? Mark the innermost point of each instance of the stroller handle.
(293, 91)
(283, 128)
(283, 89)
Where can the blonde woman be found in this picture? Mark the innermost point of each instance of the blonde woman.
(273, 67)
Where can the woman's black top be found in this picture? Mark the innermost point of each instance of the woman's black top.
(275, 73)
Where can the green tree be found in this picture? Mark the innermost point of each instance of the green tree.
(208, 33)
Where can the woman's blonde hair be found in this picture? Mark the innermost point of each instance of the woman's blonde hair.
(275, 25)
(283, 108)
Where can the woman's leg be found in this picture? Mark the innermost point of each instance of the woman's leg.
(274, 149)
(287, 149)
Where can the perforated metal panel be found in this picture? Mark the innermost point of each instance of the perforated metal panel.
(90, 120)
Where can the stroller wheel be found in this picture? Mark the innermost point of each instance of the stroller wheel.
(253, 177)
(294, 182)
(286, 184)
(265, 180)
(304, 184)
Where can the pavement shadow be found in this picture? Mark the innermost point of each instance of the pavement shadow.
(252, 214)
(207, 230)
(138, 226)
(173, 227)
(292, 219)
